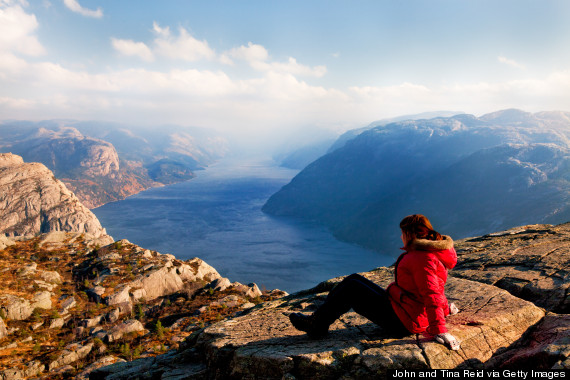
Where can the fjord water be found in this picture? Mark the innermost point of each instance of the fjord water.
(217, 217)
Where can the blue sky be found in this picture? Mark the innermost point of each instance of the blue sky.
(265, 66)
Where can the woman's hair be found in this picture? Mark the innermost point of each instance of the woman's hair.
(418, 227)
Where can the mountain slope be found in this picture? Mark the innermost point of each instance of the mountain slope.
(34, 201)
(103, 162)
(440, 167)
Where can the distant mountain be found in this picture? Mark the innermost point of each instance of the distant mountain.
(104, 162)
(469, 175)
(349, 135)
(303, 156)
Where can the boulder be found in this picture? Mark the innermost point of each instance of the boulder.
(3, 330)
(32, 369)
(37, 325)
(219, 284)
(92, 322)
(50, 276)
(169, 278)
(121, 295)
(250, 290)
(28, 269)
(16, 308)
(96, 293)
(159, 282)
(70, 354)
(129, 326)
(229, 301)
(197, 269)
(45, 285)
(113, 315)
(42, 300)
(57, 323)
(253, 291)
(5, 242)
(68, 304)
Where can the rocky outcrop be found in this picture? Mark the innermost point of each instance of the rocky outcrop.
(33, 201)
(148, 275)
(71, 354)
(497, 328)
(67, 301)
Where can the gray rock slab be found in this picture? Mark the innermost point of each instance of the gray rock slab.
(531, 262)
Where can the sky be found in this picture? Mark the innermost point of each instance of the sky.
(260, 67)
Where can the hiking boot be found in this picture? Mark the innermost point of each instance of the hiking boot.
(308, 324)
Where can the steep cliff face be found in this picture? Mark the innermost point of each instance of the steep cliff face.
(90, 167)
(33, 201)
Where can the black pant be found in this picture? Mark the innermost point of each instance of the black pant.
(364, 297)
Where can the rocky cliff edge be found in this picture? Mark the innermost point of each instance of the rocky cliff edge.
(33, 201)
(511, 289)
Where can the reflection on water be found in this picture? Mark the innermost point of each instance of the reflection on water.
(217, 217)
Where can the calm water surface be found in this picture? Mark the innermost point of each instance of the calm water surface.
(217, 217)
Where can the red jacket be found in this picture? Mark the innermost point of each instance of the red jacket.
(417, 294)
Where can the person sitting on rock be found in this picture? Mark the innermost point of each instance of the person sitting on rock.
(414, 303)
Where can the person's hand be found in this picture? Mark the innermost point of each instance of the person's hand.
(448, 340)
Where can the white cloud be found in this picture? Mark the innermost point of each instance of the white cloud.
(187, 48)
(277, 95)
(511, 62)
(74, 6)
(15, 103)
(258, 58)
(274, 100)
(250, 53)
(184, 46)
(17, 30)
(10, 65)
(132, 48)
(9, 3)
(291, 67)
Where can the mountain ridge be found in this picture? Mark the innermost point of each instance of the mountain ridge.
(105, 162)
(377, 177)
